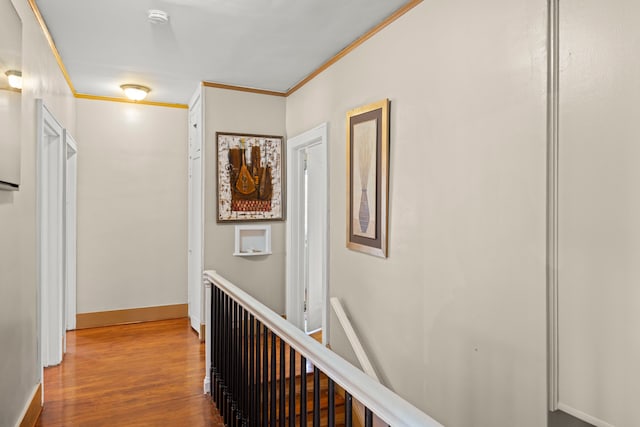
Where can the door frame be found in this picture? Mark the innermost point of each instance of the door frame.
(195, 246)
(50, 237)
(70, 228)
(295, 259)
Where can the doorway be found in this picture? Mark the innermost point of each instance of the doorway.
(51, 237)
(307, 232)
(195, 226)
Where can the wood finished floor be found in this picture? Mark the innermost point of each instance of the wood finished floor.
(146, 374)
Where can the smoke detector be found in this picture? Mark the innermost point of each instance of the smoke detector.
(156, 16)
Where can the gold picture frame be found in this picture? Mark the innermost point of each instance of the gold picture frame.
(250, 178)
(368, 178)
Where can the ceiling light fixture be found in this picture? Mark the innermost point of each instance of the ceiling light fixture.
(156, 16)
(15, 78)
(135, 92)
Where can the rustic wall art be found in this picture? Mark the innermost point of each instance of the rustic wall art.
(250, 177)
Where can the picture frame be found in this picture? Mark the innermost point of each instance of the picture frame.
(249, 189)
(368, 178)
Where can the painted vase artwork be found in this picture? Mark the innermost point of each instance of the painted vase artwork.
(364, 182)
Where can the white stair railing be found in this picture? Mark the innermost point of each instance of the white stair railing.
(363, 359)
(379, 400)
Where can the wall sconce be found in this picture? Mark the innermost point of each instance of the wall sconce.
(15, 78)
(135, 92)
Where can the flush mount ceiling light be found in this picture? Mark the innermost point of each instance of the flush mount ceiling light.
(15, 78)
(156, 16)
(135, 92)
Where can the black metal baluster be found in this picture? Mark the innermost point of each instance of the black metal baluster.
(213, 334)
(368, 417)
(258, 374)
(332, 403)
(220, 402)
(245, 369)
(223, 369)
(292, 387)
(232, 364)
(265, 377)
(273, 378)
(252, 402)
(222, 356)
(316, 397)
(236, 363)
(215, 351)
(303, 391)
(238, 395)
(283, 381)
(228, 371)
(348, 411)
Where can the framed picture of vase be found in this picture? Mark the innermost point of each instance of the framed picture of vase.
(368, 178)
(250, 178)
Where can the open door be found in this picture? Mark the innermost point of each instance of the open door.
(307, 231)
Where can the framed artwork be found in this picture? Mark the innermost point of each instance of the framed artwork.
(368, 178)
(250, 178)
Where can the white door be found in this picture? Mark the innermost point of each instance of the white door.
(195, 231)
(314, 206)
(307, 231)
(51, 254)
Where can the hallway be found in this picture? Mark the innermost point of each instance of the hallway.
(145, 374)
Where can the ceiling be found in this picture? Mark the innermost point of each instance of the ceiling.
(263, 44)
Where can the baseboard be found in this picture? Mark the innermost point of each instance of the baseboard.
(589, 419)
(132, 315)
(31, 412)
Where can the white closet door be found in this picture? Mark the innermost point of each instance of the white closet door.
(599, 212)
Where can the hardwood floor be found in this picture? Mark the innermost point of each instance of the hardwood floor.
(145, 374)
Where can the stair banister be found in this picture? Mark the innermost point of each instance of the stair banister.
(361, 355)
(388, 406)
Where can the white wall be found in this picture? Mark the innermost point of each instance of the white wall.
(19, 371)
(455, 318)
(132, 206)
(599, 207)
(263, 277)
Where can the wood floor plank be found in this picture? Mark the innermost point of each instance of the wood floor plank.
(146, 374)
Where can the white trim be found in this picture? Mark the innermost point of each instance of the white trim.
(295, 249)
(50, 237)
(583, 416)
(553, 77)
(71, 207)
(387, 405)
(195, 264)
(361, 355)
(207, 338)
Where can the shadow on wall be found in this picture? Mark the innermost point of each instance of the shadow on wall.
(562, 419)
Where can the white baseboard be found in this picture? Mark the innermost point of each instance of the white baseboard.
(583, 416)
